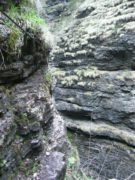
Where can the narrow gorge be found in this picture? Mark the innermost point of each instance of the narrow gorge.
(67, 90)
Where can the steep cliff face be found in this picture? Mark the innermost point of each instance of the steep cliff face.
(32, 134)
(94, 67)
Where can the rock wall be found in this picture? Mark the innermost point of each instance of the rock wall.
(54, 9)
(32, 134)
(93, 64)
(94, 68)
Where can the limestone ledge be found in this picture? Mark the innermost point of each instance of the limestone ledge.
(103, 130)
(83, 75)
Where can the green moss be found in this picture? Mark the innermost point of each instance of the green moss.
(12, 40)
(24, 16)
(25, 13)
(48, 76)
(72, 164)
(70, 135)
(2, 163)
(28, 15)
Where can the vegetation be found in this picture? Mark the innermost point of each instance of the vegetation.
(73, 162)
(25, 17)
(12, 40)
(25, 13)
(31, 17)
(47, 77)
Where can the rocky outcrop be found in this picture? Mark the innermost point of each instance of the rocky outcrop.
(26, 56)
(58, 13)
(32, 134)
(94, 68)
(53, 164)
(30, 125)
(57, 8)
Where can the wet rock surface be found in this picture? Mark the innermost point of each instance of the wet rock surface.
(94, 69)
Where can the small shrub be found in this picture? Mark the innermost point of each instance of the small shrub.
(25, 17)
(32, 18)
(24, 13)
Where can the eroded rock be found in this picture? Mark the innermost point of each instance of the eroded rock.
(29, 124)
(94, 71)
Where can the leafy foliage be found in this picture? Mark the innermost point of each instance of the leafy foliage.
(32, 18)
(24, 16)
(27, 15)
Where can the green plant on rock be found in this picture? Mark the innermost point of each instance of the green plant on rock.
(23, 14)
(31, 17)
(73, 170)
(22, 18)
(2, 163)
(12, 40)
(47, 76)
(13, 11)
(28, 15)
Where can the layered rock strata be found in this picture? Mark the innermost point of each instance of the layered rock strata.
(94, 69)
(32, 134)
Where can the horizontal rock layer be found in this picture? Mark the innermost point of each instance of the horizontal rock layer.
(94, 70)
(94, 64)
